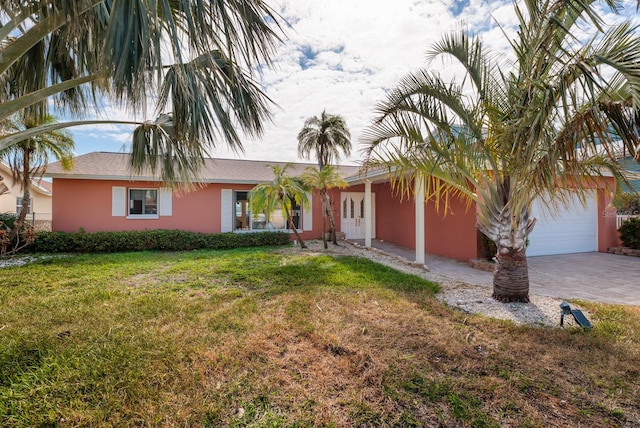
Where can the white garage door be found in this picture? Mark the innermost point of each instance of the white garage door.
(572, 229)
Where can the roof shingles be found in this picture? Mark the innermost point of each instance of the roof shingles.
(114, 166)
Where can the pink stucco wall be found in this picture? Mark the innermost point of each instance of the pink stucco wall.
(608, 235)
(316, 232)
(452, 235)
(87, 204)
(395, 217)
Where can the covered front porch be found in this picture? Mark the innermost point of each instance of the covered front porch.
(382, 215)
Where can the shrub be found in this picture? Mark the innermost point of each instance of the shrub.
(630, 233)
(488, 248)
(627, 203)
(166, 240)
(24, 237)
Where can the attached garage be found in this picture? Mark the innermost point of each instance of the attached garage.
(567, 229)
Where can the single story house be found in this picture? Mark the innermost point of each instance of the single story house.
(11, 196)
(100, 194)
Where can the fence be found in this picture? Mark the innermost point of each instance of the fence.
(622, 218)
(39, 221)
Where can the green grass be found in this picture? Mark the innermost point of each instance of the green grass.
(263, 338)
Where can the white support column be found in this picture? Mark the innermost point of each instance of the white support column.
(419, 201)
(368, 215)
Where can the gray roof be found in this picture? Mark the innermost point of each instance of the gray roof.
(114, 166)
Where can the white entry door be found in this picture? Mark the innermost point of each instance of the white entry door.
(352, 215)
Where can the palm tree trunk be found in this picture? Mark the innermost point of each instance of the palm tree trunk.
(292, 226)
(332, 221)
(324, 223)
(26, 195)
(511, 277)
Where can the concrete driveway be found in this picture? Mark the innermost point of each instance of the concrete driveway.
(600, 277)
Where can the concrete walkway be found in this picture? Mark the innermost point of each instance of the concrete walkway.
(600, 277)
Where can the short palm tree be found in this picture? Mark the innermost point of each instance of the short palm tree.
(280, 194)
(325, 137)
(549, 118)
(323, 180)
(194, 58)
(28, 159)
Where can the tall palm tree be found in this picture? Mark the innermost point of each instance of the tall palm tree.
(194, 58)
(280, 194)
(547, 118)
(325, 137)
(323, 180)
(28, 159)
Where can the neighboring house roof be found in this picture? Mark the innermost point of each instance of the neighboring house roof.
(39, 186)
(633, 172)
(114, 166)
(47, 185)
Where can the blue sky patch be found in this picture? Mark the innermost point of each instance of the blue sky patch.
(458, 6)
(308, 56)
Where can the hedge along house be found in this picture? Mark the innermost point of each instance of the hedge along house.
(99, 194)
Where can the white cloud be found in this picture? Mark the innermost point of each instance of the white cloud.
(341, 55)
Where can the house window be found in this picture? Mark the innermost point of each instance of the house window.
(19, 206)
(143, 202)
(244, 219)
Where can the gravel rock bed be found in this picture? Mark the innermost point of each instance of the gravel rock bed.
(473, 299)
(23, 260)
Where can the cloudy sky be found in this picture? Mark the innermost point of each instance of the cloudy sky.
(341, 56)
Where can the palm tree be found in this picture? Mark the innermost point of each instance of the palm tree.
(323, 180)
(280, 194)
(325, 137)
(28, 159)
(546, 119)
(195, 58)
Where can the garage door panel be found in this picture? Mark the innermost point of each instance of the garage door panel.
(573, 229)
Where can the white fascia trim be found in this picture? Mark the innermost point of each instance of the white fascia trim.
(156, 179)
(40, 189)
(376, 175)
(102, 177)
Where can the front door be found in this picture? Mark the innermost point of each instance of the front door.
(352, 218)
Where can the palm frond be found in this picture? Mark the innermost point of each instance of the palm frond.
(551, 120)
(325, 137)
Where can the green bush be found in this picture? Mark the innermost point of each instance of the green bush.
(630, 233)
(167, 240)
(24, 237)
(488, 248)
(627, 203)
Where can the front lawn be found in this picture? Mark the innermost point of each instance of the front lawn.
(262, 338)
